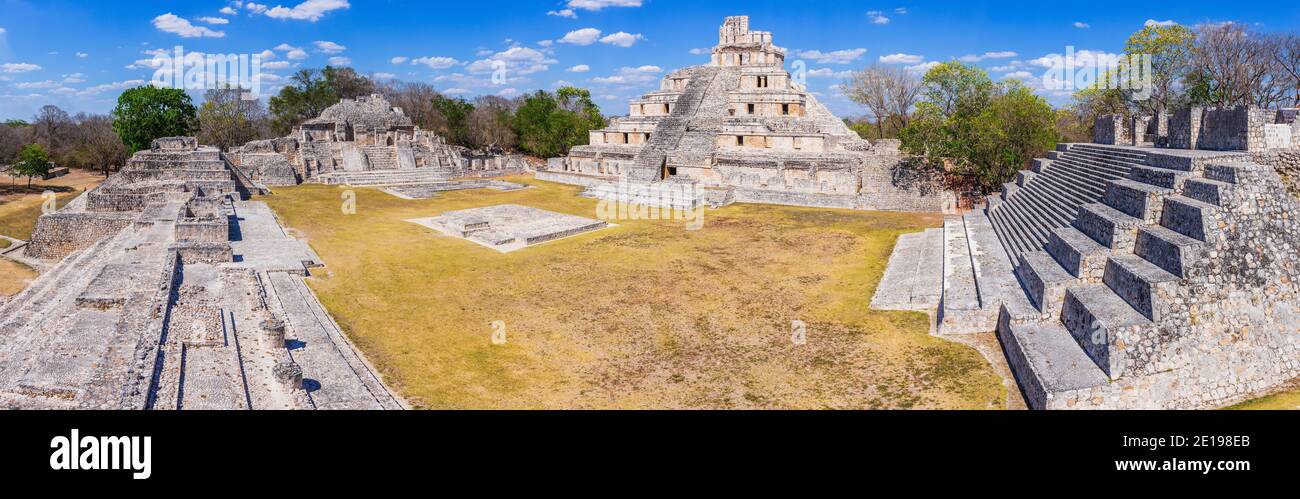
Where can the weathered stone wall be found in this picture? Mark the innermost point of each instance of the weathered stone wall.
(1185, 128)
(202, 230)
(58, 235)
(1287, 166)
(1111, 130)
(1239, 128)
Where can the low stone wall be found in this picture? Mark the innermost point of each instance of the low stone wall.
(210, 253)
(1287, 166)
(1185, 128)
(1239, 128)
(60, 234)
(202, 230)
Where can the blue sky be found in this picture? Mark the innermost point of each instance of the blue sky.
(80, 55)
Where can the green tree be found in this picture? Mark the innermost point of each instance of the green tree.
(311, 92)
(452, 119)
(976, 129)
(1171, 50)
(147, 113)
(548, 125)
(33, 161)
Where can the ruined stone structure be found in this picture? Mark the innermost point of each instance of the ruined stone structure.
(365, 141)
(165, 289)
(742, 130)
(1122, 277)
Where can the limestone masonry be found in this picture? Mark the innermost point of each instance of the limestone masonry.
(741, 129)
(164, 289)
(365, 141)
(1120, 275)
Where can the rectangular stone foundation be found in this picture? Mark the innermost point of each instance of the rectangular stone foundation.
(510, 227)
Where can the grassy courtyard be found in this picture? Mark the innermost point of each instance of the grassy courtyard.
(643, 315)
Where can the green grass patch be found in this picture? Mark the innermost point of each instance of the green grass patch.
(642, 315)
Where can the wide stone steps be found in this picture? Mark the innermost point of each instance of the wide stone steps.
(388, 177)
(1047, 361)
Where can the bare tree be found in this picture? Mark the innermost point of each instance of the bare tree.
(53, 128)
(1286, 51)
(228, 118)
(415, 99)
(11, 141)
(1234, 66)
(489, 123)
(888, 93)
(102, 148)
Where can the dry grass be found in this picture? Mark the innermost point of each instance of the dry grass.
(20, 205)
(1288, 400)
(644, 315)
(14, 277)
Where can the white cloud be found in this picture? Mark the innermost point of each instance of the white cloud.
(901, 59)
(902, 11)
(845, 56)
(701, 51)
(1018, 75)
(581, 68)
(600, 4)
(38, 85)
(340, 61)
(923, 67)
(121, 85)
(829, 73)
(310, 10)
(455, 91)
(171, 23)
(292, 52)
(227, 10)
(400, 60)
(1153, 22)
(1082, 25)
(327, 47)
(2, 31)
(384, 76)
(517, 60)
(19, 67)
(1080, 59)
(273, 65)
(622, 39)
(433, 62)
(569, 13)
(546, 43)
(877, 17)
(215, 20)
(1007, 54)
(74, 78)
(82, 55)
(581, 37)
(508, 92)
(630, 76)
(256, 8)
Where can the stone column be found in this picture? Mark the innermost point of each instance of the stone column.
(273, 333)
(288, 374)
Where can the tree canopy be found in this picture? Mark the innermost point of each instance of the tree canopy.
(33, 161)
(147, 113)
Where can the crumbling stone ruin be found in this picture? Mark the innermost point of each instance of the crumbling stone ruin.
(165, 289)
(1122, 275)
(363, 142)
(741, 129)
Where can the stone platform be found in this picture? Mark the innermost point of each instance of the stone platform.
(431, 190)
(510, 227)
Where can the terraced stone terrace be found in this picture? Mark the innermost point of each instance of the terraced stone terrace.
(1124, 277)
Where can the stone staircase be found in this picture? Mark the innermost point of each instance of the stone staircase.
(382, 157)
(649, 162)
(1049, 196)
(1115, 254)
(386, 177)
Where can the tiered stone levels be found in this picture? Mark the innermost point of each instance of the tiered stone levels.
(742, 130)
(1170, 288)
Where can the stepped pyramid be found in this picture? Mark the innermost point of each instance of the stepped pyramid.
(1129, 276)
(742, 129)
